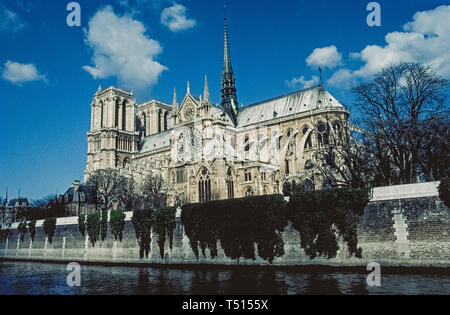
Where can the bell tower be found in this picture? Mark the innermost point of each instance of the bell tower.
(112, 139)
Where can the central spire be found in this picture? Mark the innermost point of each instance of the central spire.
(226, 50)
(229, 97)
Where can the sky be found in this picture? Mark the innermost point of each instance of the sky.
(49, 71)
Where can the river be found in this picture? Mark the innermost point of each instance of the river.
(38, 278)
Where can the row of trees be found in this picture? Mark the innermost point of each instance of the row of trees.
(401, 133)
(48, 207)
(111, 186)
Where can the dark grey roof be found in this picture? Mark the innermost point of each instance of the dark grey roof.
(301, 101)
(69, 193)
(89, 194)
(21, 201)
(156, 141)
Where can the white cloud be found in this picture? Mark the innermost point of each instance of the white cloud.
(9, 20)
(301, 82)
(122, 49)
(325, 57)
(175, 19)
(342, 78)
(426, 40)
(19, 73)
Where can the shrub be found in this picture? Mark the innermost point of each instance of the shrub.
(3, 234)
(32, 229)
(320, 216)
(104, 225)
(163, 224)
(49, 228)
(22, 228)
(142, 222)
(117, 224)
(82, 224)
(239, 225)
(93, 226)
(444, 191)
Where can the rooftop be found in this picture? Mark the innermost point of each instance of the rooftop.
(293, 103)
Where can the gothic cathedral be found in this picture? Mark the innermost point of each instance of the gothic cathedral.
(205, 151)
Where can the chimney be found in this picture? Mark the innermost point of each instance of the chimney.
(75, 185)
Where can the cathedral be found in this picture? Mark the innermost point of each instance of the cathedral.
(205, 151)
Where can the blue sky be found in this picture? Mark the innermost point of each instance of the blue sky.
(50, 71)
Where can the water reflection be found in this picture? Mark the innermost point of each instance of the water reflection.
(35, 278)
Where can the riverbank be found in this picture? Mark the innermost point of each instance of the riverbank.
(412, 231)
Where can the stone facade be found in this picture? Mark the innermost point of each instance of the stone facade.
(201, 153)
(205, 151)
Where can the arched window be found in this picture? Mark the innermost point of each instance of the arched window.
(204, 186)
(247, 143)
(126, 162)
(308, 165)
(159, 121)
(116, 114)
(248, 175)
(308, 142)
(248, 191)
(337, 129)
(278, 143)
(265, 191)
(124, 116)
(287, 168)
(230, 184)
(101, 114)
(166, 126)
(323, 136)
(144, 125)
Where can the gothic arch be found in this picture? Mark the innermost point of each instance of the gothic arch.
(230, 182)
(116, 113)
(204, 185)
(166, 121)
(323, 133)
(159, 121)
(102, 113)
(307, 134)
(126, 162)
(124, 115)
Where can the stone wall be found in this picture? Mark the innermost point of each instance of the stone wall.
(410, 232)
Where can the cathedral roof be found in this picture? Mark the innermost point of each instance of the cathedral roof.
(156, 141)
(298, 102)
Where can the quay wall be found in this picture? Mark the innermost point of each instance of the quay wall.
(403, 226)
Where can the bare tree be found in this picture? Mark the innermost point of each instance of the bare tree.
(435, 154)
(346, 160)
(107, 183)
(153, 191)
(396, 104)
(127, 194)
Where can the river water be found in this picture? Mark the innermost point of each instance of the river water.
(38, 278)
